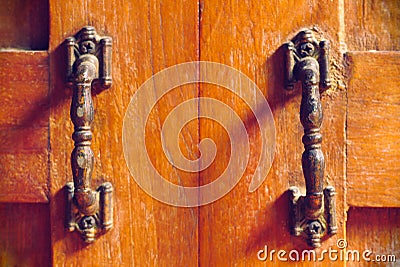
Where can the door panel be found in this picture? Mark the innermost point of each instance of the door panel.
(372, 25)
(25, 234)
(24, 134)
(24, 130)
(376, 230)
(373, 156)
(373, 130)
(247, 36)
(24, 24)
(147, 37)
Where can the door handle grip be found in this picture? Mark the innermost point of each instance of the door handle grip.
(90, 212)
(313, 215)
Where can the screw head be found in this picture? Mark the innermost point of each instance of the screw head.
(315, 227)
(87, 47)
(306, 49)
(87, 222)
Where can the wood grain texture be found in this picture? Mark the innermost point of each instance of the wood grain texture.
(247, 36)
(25, 235)
(376, 230)
(373, 130)
(147, 37)
(372, 25)
(24, 130)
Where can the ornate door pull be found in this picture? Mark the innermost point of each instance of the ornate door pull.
(313, 215)
(90, 212)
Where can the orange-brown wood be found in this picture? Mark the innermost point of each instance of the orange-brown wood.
(147, 37)
(248, 36)
(373, 129)
(372, 25)
(24, 127)
(376, 230)
(24, 235)
(35, 130)
(24, 24)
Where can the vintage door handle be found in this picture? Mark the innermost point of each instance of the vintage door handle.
(90, 212)
(313, 215)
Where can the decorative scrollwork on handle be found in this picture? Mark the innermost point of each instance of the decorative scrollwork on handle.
(312, 215)
(90, 212)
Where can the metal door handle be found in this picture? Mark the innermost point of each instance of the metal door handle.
(313, 215)
(90, 212)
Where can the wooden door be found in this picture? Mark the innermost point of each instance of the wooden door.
(360, 130)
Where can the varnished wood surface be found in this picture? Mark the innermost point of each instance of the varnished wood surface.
(373, 130)
(24, 132)
(147, 37)
(24, 24)
(376, 230)
(25, 235)
(372, 25)
(248, 36)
